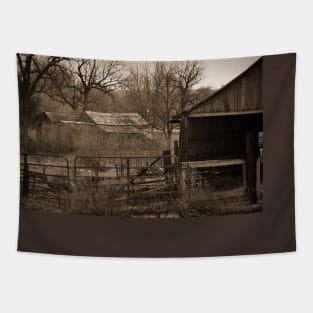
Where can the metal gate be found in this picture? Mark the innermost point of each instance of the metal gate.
(44, 177)
(134, 179)
(98, 185)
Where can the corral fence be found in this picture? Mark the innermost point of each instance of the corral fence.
(133, 179)
(43, 176)
(129, 180)
(195, 174)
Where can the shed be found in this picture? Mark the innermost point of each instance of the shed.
(93, 133)
(225, 128)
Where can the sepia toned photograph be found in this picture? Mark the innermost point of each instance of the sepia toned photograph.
(140, 139)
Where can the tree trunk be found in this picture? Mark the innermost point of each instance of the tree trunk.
(167, 140)
(24, 142)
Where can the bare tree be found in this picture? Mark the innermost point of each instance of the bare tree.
(167, 95)
(104, 76)
(32, 73)
(161, 90)
(138, 88)
(74, 80)
(187, 75)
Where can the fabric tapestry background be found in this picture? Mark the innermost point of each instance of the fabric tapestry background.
(118, 153)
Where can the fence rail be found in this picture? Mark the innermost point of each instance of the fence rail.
(141, 178)
(44, 176)
(130, 186)
(130, 180)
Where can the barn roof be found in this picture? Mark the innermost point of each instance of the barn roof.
(178, 116)
(66, 117)
(123, 123)
(117, 119)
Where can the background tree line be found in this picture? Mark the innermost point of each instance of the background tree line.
(155, 90)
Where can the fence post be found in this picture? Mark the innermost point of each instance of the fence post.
(166, 160)
(128, 180)
(183, 179)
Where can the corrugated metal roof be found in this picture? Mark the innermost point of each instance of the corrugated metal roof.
(122, 123)
(117, 119)
(120, 129)
(67, 117)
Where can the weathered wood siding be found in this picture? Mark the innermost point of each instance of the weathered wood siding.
(88, 139)
(206, 135)
(242, 94)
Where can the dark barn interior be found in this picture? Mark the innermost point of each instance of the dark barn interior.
(224, 130)
(220, 136)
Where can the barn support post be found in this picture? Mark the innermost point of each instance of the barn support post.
(183, 181)
(244, 176)
(258, 178)
(251, 164)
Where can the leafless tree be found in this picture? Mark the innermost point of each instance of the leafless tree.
(163, 89)
(104, 76)
(187, 75)
(75, 80)
(32, 73)
(138, 88)
(167, 95)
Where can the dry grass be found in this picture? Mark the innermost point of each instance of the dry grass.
(92, 196)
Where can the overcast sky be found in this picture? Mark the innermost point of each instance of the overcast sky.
(220, 71)
(217, 72)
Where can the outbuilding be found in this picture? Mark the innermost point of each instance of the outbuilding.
(93, 133)
(226, 129)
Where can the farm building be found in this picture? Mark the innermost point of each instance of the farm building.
(93, 133)
(226, 128)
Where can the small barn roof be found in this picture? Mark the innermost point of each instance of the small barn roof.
(123, 123)
(66, 117)
(120, 129)
(117, 119)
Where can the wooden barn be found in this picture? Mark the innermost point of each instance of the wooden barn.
(226, 129)
(93, 133)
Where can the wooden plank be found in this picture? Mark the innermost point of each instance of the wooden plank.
(213, 163)
(183, 179)
(208, 114)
